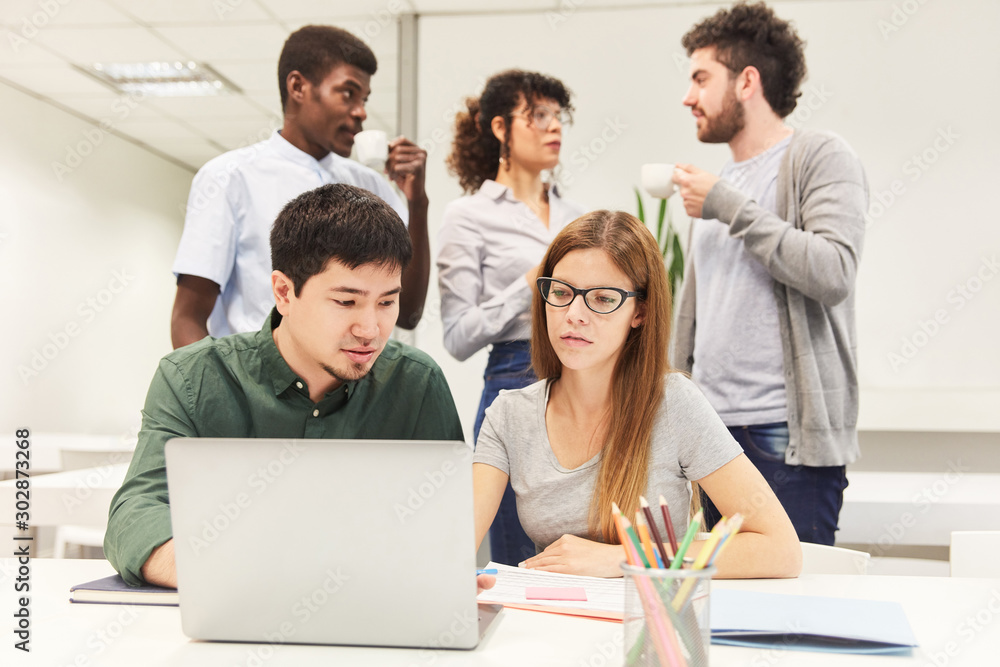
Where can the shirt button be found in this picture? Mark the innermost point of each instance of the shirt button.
(315, 413)
(299, 385)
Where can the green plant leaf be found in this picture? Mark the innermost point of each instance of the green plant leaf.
(659, 221)
(677, 265)
(638, 201)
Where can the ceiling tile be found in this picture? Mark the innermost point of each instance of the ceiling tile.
(192, 11)
(110, 106)
(270, 102)
(236, 132)
(23, 14)
(87, 45)
(465, 7)
(195, 107)
(259, 76)
(381, 11)
(52, 79)
(15, 49)
(193, 152)
(147, 130)
(228, 42)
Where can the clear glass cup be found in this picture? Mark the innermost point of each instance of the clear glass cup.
(667, 616)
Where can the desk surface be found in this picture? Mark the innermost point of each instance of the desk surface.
(960, 615)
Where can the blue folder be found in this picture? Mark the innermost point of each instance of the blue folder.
(809, 623)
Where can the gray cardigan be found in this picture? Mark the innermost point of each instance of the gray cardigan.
(811, 248)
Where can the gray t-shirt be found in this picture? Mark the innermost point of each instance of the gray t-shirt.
(689, 442)
(738, 361)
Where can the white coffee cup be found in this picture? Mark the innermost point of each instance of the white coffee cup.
(373, 149)
(657, 179)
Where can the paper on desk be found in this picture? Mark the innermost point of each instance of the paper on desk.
(605, 597)
(809, 623)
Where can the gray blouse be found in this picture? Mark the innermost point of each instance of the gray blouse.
(488, 241)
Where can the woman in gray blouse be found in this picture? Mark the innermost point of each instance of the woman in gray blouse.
(609, 421)
(493, 238)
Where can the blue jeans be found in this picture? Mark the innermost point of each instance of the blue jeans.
(509, 367)
(811, 495)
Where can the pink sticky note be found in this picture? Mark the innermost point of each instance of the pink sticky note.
(555, 593)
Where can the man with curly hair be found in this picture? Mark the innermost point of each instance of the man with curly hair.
(765, 321)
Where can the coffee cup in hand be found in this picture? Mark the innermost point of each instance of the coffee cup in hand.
(373, 149)
(657, 179)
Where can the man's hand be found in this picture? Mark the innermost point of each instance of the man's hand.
(484, 582)
(406, 167)
(574, 555)
(694, 185)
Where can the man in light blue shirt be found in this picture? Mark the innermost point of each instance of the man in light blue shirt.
(223, 263)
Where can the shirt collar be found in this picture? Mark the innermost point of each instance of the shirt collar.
(281, 374)
(285, 149)
(495, 190)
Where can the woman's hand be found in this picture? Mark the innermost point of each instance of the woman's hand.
(574, 555)
(484, 582)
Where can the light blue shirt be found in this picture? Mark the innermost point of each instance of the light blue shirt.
(234, 200)
(738, 359)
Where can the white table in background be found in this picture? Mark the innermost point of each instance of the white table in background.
(46, 450)
(75, 497)
(960, 615)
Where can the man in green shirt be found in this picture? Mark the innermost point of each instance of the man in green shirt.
(322, 366)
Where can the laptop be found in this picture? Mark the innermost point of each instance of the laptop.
(358, 542)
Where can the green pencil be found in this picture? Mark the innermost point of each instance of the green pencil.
(688, 539)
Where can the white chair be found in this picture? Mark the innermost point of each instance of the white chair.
(821, 559)
(974, 553)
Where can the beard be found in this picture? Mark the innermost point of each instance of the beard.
(351, 373)
(730, 121)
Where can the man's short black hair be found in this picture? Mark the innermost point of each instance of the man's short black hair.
(339, 222)
(746, 35)
(314, 50)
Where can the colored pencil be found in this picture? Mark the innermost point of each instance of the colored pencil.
(688, 539)
(647, 543)
(635, 541)
(654, 530)
(669, 524)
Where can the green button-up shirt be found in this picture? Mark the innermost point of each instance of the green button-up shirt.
(240, 387)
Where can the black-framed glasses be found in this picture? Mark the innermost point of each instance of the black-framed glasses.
(601, 300)
(541, 116)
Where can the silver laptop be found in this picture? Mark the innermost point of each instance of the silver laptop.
(363, 542)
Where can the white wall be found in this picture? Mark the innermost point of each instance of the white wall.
(891, 83)
(106, 232)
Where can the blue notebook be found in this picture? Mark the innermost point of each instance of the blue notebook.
(809, 623)
(114, 590)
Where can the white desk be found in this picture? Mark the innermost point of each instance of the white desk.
(46, 450)
(75, 497)
(882, 509)
(65, 634)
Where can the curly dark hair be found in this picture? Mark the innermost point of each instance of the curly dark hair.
(475, 151)
(314, 50)
(751, 35)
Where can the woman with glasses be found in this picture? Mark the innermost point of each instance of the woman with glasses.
(609, 421)
(492, 239)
